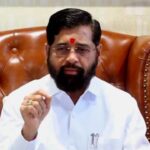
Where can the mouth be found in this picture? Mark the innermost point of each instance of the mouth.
(71, 71)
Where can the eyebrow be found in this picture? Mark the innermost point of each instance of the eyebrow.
(82, 45)
(62, 44)
(77, 44)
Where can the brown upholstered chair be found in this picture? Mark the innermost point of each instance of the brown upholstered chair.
(125, 63)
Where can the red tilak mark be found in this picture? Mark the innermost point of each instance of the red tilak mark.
(72, 40)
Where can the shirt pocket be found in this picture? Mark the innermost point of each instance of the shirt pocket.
(109, 144)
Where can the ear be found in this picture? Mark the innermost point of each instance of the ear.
(99, 47)
(47, 47)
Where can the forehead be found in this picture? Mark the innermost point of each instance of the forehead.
(81, 34)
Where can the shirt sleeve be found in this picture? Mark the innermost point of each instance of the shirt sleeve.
(11, 124)
(135, 138)
(18, 143)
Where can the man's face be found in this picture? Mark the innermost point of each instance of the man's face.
(73, 58)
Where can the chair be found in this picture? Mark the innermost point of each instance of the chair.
(124, 62)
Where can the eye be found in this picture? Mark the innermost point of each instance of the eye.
(82, 50)
(61, 50)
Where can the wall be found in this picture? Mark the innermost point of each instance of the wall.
(125, 19)
(74, 3)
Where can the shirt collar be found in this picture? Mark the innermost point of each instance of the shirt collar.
(93, 87)
(92, 91)
(51, 87)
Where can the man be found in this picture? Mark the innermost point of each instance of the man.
(73, 110)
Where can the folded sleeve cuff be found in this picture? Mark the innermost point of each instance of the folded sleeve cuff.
(22, 144)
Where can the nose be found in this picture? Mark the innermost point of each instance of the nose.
(72, 57)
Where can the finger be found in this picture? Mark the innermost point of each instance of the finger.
(29, 110)
(43, 106)
(42, 97)
(41, 92)
(37, 106)
(32, 111)
(38, 96)
(32, 102)
(40, 103)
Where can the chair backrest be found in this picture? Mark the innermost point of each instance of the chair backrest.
(124, 62)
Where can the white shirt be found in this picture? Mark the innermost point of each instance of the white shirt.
(104, 118)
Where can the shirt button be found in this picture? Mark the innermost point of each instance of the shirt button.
(72, 115)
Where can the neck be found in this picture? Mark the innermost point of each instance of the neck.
(75, 95)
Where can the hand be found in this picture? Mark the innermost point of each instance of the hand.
(33, 109)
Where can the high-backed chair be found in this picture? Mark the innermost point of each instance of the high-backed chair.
(124, 62)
